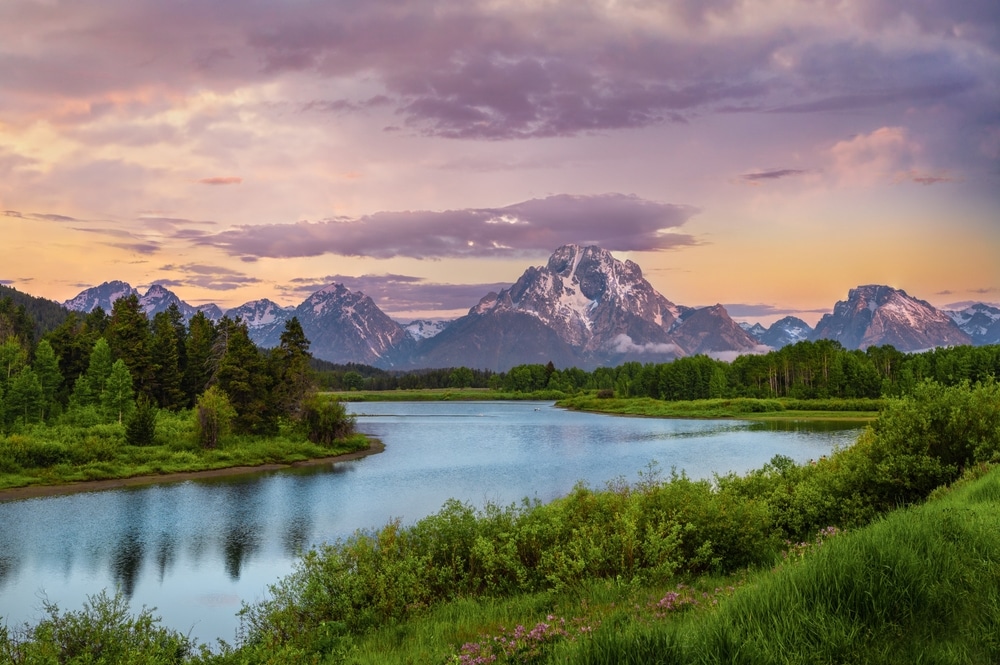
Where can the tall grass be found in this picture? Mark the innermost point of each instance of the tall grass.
(740, 407)
(921, 585)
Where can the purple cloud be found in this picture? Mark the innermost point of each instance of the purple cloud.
(137, 247)
(400, 293)
(216, 278)
(465, 69)
(616, 222)
(772, 174)
(42, 217)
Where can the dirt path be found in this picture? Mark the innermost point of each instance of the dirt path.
(33, 491)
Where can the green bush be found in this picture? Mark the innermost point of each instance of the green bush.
(325, 420)
(104, 632)
(213, 417)
(43, 454)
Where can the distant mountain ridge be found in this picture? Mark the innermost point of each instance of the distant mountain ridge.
(874, 315)
(782, 332)
(583, 308)
(981, 322)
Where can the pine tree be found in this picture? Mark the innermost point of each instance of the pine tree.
(130, 340)
(199, 367)
(245, 378)
(294, 376)
(167, 380)
(140, 429)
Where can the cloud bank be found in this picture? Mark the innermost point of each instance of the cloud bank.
(616, 222)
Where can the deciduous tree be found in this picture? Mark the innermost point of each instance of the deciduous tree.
(119, 398)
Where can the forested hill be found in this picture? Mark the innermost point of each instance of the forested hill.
(21, 314)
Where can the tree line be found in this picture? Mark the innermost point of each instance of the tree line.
(122, 366)
(807, 370)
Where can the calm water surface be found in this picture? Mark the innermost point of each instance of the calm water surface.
(196, 550)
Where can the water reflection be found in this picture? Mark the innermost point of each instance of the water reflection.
(196, 550)
(807, 425)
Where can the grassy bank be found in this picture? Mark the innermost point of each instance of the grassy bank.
(67, 453)
(920, 585)
(443, 395)
(749, 408)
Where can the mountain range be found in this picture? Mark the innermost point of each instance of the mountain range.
(583, 308)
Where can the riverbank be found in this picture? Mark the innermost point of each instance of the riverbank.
(742, 408)
(375, 446)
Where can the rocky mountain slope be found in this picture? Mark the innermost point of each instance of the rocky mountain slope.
(981, 322)
(347, 326)
(583, 308)
(265, 320)
(782, 332)
(103, 296)
(875, 315)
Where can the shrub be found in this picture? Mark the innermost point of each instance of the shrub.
(213, 417)
(45, 454)
(325, 420)
(104, 631)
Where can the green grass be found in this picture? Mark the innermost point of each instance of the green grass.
(443, 395)
(920, 585)
(742, 407)
(65, 453)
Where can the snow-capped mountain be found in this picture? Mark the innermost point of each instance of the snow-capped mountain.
(212, 311)
(783, 332)
(158, 299)
(346, 326)
(874, 315)
(424, 328)
(265, 319)
(755, 330)
(589, 299)
(583, 308)
(103, 296)
(980, 321)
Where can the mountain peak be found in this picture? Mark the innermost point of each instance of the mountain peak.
(103, 296)
(875, 314)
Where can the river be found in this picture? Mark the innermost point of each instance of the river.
(198, 550)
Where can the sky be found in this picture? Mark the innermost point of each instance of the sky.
(767, 155)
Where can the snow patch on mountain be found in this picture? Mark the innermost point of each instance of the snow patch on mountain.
(424, 328)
